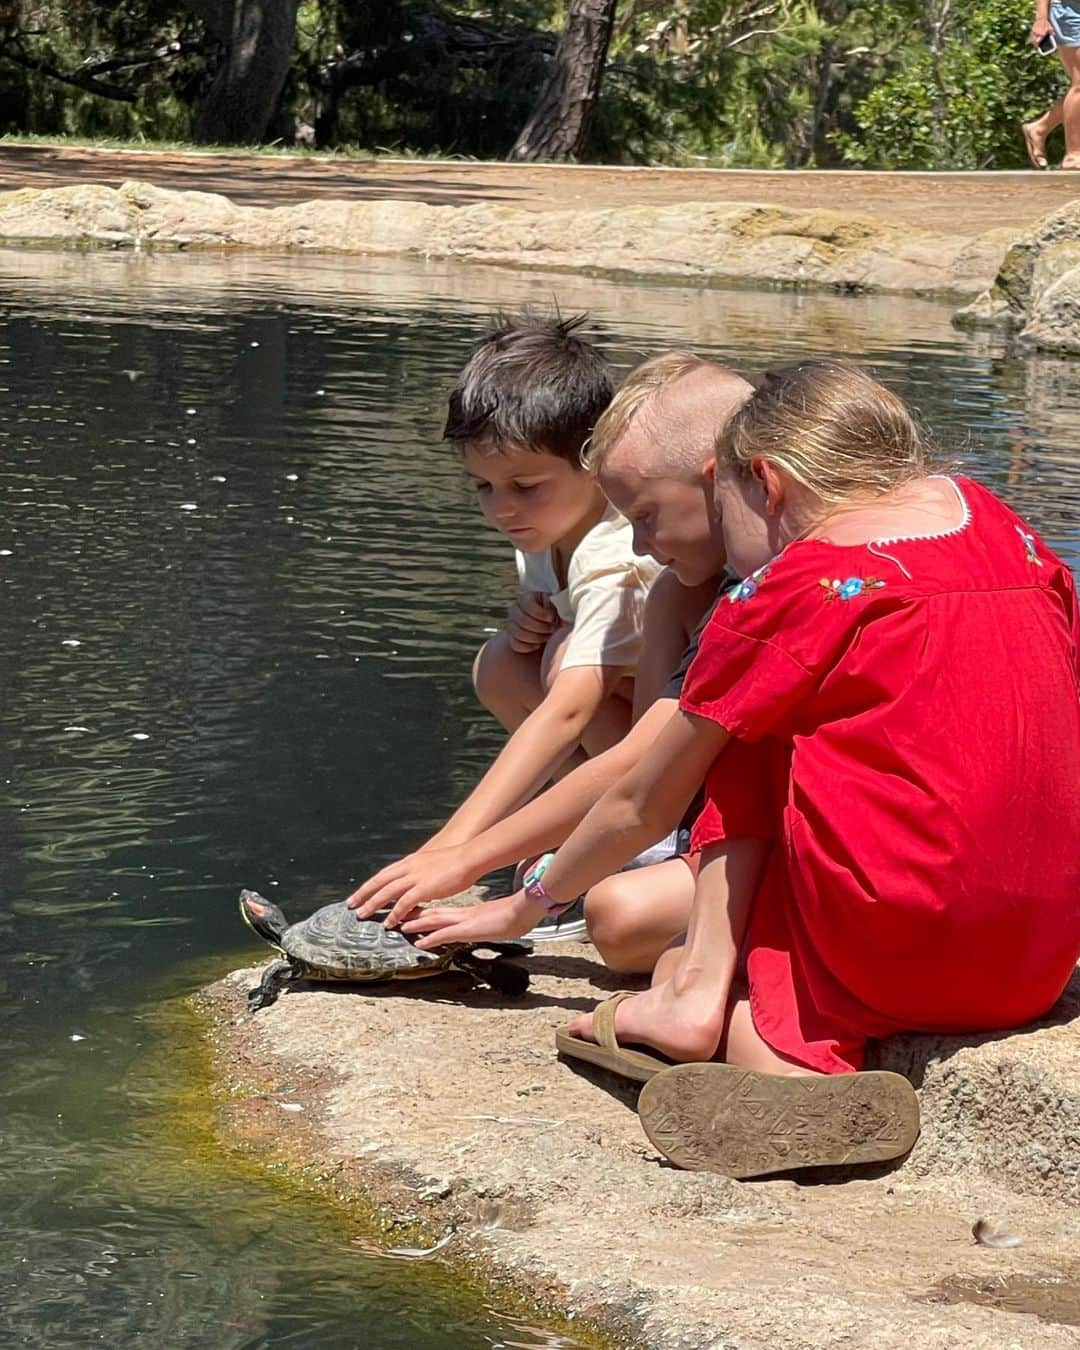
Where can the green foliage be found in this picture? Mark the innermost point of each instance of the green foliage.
(754, 83)
(955, 102)
(41, 41)
(711, 82)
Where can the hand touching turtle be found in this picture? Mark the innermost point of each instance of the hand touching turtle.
(492, 921)
(404, 885)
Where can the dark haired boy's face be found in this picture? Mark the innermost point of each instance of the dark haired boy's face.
(536, 499)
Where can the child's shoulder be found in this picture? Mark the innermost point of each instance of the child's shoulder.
(609, 548)
(810, 600)
(996, 549)
(813, 581)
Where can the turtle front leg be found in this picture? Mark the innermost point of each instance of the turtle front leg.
(275, 977)
(505, 977)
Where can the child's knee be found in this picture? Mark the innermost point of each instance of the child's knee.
(495, 670)
(507, 682)
(610, 914)
(483, 668)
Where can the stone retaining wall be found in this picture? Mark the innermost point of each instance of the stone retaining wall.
(708, 243)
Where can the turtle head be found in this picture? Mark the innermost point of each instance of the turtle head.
(262, 917)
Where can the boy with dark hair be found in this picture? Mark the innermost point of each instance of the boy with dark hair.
(653, 451)
(560, 676)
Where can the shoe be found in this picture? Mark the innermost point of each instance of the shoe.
(741, 1123)
(678, 841)
(569, 926)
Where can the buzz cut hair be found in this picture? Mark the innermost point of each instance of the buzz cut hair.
(532, 383)
(638, 389)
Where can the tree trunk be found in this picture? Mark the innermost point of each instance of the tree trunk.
(809, 142)
(257, 38)
(558, 128)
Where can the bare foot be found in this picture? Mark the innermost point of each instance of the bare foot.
(1035, 140)
(686, 1027)
(1071, 162)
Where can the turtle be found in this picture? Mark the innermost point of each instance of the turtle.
(332, 944)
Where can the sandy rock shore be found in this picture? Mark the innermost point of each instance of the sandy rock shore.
(714, 243)
(449, 1105)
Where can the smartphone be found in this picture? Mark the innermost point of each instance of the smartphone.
(1046, 45)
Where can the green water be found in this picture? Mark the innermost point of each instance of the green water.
(240, 585)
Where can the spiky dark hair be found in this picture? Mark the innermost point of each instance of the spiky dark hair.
(532, 383)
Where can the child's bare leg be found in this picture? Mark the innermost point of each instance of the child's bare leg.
(507, 683)
(633, 917)
(743, 1044)
(685, 1015)
(614, 716)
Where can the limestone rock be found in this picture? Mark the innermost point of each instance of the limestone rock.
(740, 243)
(1004, 1106)
(1030, 271)
(1054, 325)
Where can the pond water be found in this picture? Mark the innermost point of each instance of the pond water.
(240, 584)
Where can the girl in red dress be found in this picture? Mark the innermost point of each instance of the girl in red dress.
(886, 715)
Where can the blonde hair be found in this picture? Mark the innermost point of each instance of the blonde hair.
(832, 427)
(635, 391)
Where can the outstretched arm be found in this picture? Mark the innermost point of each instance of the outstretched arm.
(543, 823)
(642, 807)
(532, 754)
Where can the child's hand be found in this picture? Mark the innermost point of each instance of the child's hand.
(531, 621)
(493, 921)
(412, 881)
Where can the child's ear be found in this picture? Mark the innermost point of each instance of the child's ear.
(767, 474)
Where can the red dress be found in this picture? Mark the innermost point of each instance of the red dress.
(911, 711)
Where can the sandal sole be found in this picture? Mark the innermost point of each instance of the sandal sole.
(720, 1118)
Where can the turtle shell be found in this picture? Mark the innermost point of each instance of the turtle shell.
(332, 944)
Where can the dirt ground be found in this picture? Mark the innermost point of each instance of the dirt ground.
(952, 203)
(449, 1107)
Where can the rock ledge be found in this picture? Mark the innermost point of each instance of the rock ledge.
(451, 1106)
(708, 243)
(1037, 289)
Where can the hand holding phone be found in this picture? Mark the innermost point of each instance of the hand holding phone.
(1047, 44)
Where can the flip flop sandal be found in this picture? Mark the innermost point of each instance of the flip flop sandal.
(720, 1118)
(1037, 157)
(606, 1052)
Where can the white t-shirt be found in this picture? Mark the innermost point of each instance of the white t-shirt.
(604, 596)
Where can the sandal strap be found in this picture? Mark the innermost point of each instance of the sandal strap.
(604, 1021)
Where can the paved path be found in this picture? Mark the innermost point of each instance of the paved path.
(956, 203)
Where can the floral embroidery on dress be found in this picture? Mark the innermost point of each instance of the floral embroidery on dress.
(848, 590)
(1029, 546)
(747, 588)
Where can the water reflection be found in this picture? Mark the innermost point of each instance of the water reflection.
(240, 583)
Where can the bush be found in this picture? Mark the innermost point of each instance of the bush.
(959, 107)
